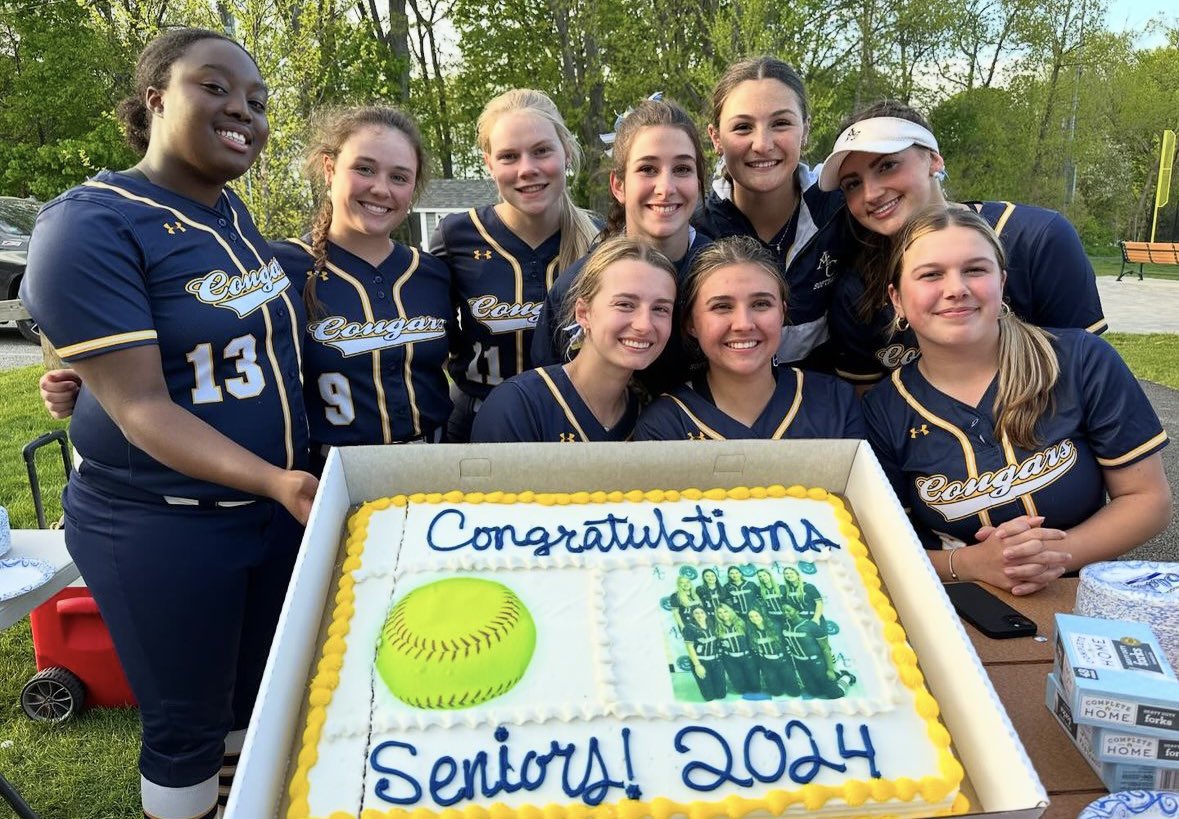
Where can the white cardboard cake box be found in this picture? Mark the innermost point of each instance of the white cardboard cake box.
(1002, 781)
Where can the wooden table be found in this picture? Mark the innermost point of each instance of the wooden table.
(1018, 669)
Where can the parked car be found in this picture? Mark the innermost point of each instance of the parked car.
(16, 225)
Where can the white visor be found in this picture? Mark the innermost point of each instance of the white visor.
(878, 135)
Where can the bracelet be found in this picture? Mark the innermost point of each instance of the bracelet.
(953, 574)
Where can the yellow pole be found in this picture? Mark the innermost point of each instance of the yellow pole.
(1163, 192)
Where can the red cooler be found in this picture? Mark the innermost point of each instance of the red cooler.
(76, 661)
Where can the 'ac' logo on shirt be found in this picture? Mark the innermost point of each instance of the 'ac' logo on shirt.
(826, 262)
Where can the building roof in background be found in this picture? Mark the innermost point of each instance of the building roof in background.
(457, 193)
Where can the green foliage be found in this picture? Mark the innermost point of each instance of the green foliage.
(980, 135)
(22, 420)
(1021, 92)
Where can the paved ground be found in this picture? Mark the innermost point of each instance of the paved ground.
(15, 351)
(1166, 404)
(1150, 306)
(1132, 306)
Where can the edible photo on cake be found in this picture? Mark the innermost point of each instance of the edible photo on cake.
(760, 633)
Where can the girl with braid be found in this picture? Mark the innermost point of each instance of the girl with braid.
(378, 312)
(375, 346)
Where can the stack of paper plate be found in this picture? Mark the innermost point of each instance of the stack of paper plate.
(1144, 591)
(1134, 805)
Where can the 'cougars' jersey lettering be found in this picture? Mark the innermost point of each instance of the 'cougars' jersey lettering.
(356, 337)
(501, 317)
(955, 500)
(243, 294)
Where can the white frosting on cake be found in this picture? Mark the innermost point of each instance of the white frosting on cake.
(606, 694)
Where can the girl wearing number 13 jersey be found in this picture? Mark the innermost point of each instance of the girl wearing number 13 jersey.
(504, 258)
(184, 515)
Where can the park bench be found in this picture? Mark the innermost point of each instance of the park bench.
(1141, 253)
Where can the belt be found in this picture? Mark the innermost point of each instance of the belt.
(136, 494)
(738, 654)
(204, 504)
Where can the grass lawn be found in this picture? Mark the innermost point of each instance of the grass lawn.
(1112, 265)
(1151, 356)
(85, 769)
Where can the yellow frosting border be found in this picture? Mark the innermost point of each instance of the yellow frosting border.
(813, 797)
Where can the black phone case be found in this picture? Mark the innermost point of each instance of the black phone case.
(988, 613)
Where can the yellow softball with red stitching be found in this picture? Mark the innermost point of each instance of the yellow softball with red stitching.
(455, 643)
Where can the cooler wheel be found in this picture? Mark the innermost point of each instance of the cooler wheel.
(52, 695)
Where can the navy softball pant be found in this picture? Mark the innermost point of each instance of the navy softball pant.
(191, 596)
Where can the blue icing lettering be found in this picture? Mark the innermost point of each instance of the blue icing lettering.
(703, 532)
(807, 767)
(779, 748)
(585, 772)
(765, 755)
(384, 785)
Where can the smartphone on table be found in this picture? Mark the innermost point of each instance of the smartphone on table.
(988, 613)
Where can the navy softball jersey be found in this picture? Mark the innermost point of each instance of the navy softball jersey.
(550, 344)
(811, 250)
(375, 354)
(949, 470)
(202, 284)
(804, 405)
(543, 405)
(499, 284)
(1050, 283)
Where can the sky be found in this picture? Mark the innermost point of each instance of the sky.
(1134, 14)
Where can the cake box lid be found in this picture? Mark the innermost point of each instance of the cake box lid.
(1114, 673)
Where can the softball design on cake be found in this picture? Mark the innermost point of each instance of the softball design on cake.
(455, 643)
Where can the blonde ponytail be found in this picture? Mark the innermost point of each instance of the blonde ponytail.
(1028, 370)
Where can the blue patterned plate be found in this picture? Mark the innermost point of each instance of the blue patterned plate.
(22, 574)
(1134, 805)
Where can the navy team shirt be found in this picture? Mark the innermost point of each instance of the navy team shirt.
(804, 405)
(499, 284)
(550, 343)
(375, 358)
(1050, 283)
(119, 262)
(543, 405)
(948, 469)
